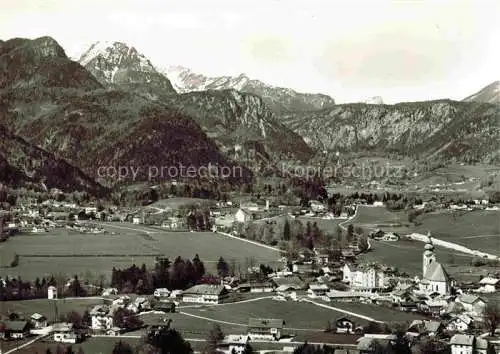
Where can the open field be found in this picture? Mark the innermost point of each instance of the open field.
(48, 307)
(380, 217)
(175, 203)
(474, 229)
(298, 316)
(406, 255)
(91, 346)
(63, 251)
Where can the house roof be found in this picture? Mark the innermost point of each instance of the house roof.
(266, 323)
(469, 299)
(37, 317)
(462, 339)
(16, 326)
(436, 272)
(489, 281)
(205, 289)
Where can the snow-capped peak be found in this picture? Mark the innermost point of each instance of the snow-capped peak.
(374, 100)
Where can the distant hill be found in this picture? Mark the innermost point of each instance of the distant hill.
(464, 131)
(488, 94)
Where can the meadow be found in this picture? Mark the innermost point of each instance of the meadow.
(474, 229)
(70, 253)
(298, 316)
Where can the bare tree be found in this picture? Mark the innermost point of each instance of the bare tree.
(492, 316)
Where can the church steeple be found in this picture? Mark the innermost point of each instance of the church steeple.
(429, 256)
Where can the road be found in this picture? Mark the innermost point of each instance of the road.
(27, 344)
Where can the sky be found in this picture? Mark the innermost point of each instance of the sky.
(350, 50)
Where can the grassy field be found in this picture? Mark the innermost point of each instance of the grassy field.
(63, 251)
(406, 255)
(380, 217)
(175, 203)
(48, 307)
(298, 316)
(474, 229)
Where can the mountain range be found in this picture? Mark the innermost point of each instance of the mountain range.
(115, 108)
(278, 99)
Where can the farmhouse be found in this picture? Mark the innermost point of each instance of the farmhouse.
(471, 303)
(461, 323)
(431, 328)
(64, 333)
(317, 290)
(468, 344)
(317, 206)
(15, 330)
(38, 321)
(344, 325)
(256, 287)
(489, 284)
(102, 317)
(251, 206)
(242, 216)
(288, 283)
(259, 328)
(205, 293)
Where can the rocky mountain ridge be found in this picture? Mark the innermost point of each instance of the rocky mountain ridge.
(229, 117)
(117, 65)
(445, 129)
(93, 126)
(488, 94)
(279, 99)
(23, 164)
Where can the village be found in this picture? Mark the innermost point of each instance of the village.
(454, 315)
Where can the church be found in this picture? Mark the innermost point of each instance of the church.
(435, 279)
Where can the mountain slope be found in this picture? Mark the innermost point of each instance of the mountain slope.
(277, 98)
(22, 164)
(233, 118)
(489, 94)
(95, 128)
(466, 131)
(229, 117)
(28, 64)
(120, 66)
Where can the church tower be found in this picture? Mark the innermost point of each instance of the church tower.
(429, 256)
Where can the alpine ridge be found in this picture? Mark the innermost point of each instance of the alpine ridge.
(118, 65)
(91, 125)
(279, 99)
(445, 129)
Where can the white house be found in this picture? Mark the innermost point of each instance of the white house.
(205, 294)
(368, 278)
(161, 292)
(317, 206)
(265, 329)
(51, 292)
(242, 216)
(64, 333)
(489, 284)
(38, 321)
(102, 318)
(462, 344)
(136, 220)
(317, 290)
(472, 304)
(435, 279)
(251, 206)
(460, 323)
